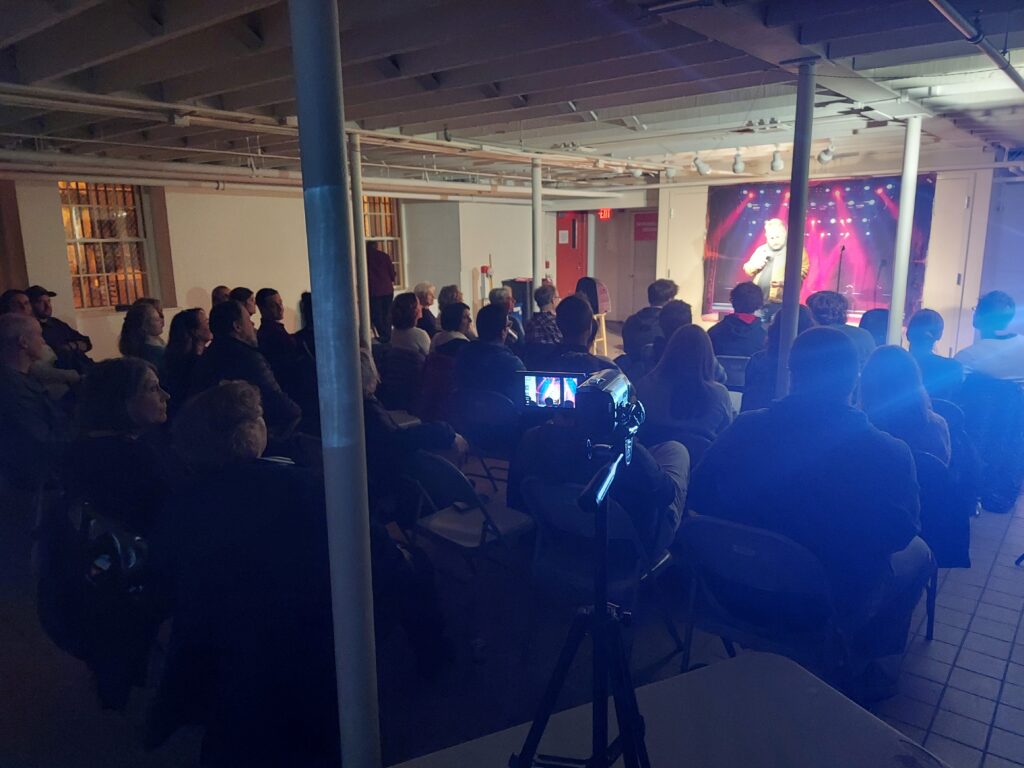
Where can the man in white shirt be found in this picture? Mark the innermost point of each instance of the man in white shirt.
(997, 352)
(767, 264)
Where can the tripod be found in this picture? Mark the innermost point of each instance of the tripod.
(603, 622)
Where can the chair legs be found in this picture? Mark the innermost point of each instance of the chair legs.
(931, 590)
(729, 647)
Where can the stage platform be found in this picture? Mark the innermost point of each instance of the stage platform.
(756, 711)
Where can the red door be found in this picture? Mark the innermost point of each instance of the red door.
(570, 251)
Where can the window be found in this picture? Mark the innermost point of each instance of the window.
(105, 233)
(383, 226)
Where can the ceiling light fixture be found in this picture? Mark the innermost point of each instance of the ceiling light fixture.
(670, 172)
(702, 168)
(827, 154)
(777, 163)
(738, 166)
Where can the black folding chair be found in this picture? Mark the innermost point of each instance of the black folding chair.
(490, 423)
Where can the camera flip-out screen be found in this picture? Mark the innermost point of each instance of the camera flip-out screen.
(550, 390)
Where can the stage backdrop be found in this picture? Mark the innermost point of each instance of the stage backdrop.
(851, 218)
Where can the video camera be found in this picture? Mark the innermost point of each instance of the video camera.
(607, 409)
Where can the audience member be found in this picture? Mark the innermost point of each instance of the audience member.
(186, 341)
(276, 344)
(456, 321)
(542, 328)
(16, 301)
(233, 355)
(642, 328)
(487, 363)
(895, 400)
(425, 294)
(449, 294)
(34, 432)
(829, 309)
(742, 333)
(762, 368)
(942, 376)
(681, 395)
(140, 334)
(405, 314)
(516, 339)
(876, 322)
(246, 298)
(305, 336)
(576, 322)
(69, 345)
(812, 468)
(594, 292)
(219, 295)
(673, 316)
(57, 381)
(381, 279)
(997, 352)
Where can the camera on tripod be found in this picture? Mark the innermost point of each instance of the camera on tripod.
(608, 412)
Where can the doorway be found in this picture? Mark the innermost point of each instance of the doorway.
(570, 250)
(625, 257)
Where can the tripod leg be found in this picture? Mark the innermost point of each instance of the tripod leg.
(578, 630)
(631, 723)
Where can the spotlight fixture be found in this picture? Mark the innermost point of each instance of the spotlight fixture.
(702, 168)
(637, 173)
(827, 154)
(670, 172)
(738, 165)
(777, 164)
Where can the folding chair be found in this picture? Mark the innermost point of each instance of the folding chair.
(490, 423)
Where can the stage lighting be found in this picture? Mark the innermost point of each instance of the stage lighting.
(671, 172)
(702, 168)
(637, 173)
(738, 165)
(777, 164)
(827, 154)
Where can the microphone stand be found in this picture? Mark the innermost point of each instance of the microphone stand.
(839, 272)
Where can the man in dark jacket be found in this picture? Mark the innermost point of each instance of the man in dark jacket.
(575, 320)
(381, 279)
(70, 345)
(812, 468)
(740, 334)
(276, 344)
(641, 329)
(488, 363)
(233, 355)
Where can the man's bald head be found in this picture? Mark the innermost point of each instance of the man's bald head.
(21, 341)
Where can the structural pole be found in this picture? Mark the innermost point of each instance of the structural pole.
(904, 230)
(316, 53)
(359, 226)
(797, 217)
(538, 225)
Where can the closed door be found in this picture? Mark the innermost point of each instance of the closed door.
(570, 251)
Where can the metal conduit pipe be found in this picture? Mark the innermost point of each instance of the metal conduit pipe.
(977, 38)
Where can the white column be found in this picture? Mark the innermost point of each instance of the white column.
(538, 228)
(359, 227)
(904, 230)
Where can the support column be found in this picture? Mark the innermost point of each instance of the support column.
(316, 54)
(538, 227)
(797, 219)
(904, 230)
(359, 226)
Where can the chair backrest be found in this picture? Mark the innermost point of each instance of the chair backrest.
(951, 412)
(994, 420)
(945, 513)
(489, 420)
(755, 579)
(400, 378)
(555, 508)
(438, 382)
(442, 481)
(735, 371)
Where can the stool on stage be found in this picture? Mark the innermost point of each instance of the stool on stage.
(600, 345)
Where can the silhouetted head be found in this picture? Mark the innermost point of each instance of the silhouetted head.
(575, 319)
(405, 311)
(661, 291)
(492, 323)
(994, 313)
(674, 315)
(456, 318)
(876, 322)
(122, 395)
(270, 304)
(232, 320)
(804, 322)
(219, 295)
(545, 297)
(891, 391)
(925, 329)
(222, 426)
(828, 307)
(246, 298)
(823, 364)
(746, 298)
(449, 294)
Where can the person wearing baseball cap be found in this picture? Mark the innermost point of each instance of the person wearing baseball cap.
(70, 345)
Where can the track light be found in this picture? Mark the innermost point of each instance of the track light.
(670, 172)
(827, 154)
(637, 173)
(777, 164)
(738, 165)
(702, 168)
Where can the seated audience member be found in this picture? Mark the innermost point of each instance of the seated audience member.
(456, 322)
(997, 352)
(233, 355)
(425, 293)
(57, 381)
(642, 328)
(542, 328)
(876, 322)
(69, 345)
(219, 295)
(829, 309)
(449, 294)
(305, 337)
(762, 368)
(516, 339)
(651, 488)
(812, 468)
(245, 297)
(594, 292)
(140, 334)
(405, 314)
(576, 322)
(34, 431)
(276, 344)
(893, 397)
(681, 395)
(186, 341)
(942, 376)
(488, 363)
(742, 333)
(673, 316)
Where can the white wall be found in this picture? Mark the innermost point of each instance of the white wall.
(1004, 244)
(682, 229)
(501, 235)
(433, 249)
(42, 232)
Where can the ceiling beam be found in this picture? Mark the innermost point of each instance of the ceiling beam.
(23, 18)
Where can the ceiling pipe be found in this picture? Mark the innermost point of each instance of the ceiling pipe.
(977, 38)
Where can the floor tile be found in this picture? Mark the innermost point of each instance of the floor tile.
(907, 710)
(981, 663)
(998, 613)
(954, 753)
(1009, 719)
(1009, 586)
(1012, 695)
(994, 629)
(990, 646)
(968, 704)
(994, 597)
(1017, 654)
(957, 603)
(1015, 674)
(925, 667)
(922, 689)
(972, 682)
(960, 728)
(953, 617)
(973, 576)
(970, 591)
(992, 761)
(950, 634)
(936, 649)
(1006, 744)
(913, 733)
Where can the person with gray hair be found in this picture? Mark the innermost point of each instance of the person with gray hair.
(543, 327)
(516, 339)
(425, 293)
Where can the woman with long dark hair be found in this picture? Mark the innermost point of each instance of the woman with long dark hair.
(187, 340)
(895, 400)
(681, 395)
(759, 384)
(140, 333)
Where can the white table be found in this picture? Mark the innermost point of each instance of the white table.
(755, 711)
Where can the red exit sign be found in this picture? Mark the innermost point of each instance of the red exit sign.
(604, 214)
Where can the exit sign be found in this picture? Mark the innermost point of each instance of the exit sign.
(604, 214)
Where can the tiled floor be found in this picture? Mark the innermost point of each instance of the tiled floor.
(962, 694)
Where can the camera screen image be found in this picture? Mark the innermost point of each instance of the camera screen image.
(569, 395)
(545, 390)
